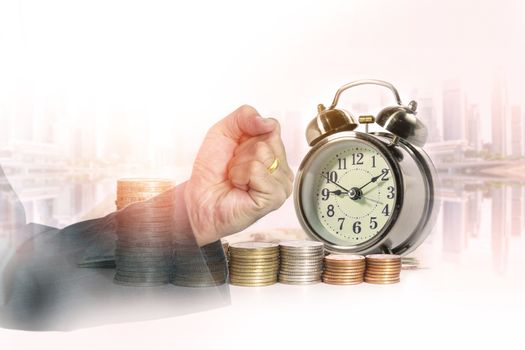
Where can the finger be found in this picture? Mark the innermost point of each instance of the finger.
(263, 152)
(265, 190)
(244, 121)
(260, 152)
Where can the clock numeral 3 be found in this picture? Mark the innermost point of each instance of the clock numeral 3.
(391, 192)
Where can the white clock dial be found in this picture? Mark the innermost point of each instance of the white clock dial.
(356, 193)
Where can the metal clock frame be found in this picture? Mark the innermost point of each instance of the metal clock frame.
(309, 158)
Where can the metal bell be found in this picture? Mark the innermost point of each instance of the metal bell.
(402, 122)
(328, 122)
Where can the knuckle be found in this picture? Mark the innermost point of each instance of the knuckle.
(246, 110)
(253, 166)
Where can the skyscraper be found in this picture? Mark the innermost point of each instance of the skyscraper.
(473, 127)
(453, 111)
(516, 134)
(499, 116)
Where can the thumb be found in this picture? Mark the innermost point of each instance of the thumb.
(245, 120)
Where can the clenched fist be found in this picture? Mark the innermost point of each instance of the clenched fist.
(240, 174)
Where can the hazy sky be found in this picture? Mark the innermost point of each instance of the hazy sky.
(164, 63)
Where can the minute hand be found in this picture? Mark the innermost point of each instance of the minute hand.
(335, 183)
(374, 179)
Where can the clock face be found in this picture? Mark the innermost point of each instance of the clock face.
(354, 191)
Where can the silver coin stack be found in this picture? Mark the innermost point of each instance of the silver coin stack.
(301, 262)
(198, 267)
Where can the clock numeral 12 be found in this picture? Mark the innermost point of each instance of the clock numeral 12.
(357, 158)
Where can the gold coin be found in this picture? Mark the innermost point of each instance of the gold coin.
(384, 257)
(344, 257)
(367, 280)
(350, 274)
(342, 283)
(256, 284)
(390, 270)
(387, 278)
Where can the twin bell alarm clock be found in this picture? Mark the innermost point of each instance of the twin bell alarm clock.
(367, 192)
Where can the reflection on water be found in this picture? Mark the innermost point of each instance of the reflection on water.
(480, 221)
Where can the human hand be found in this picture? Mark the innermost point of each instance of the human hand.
(231, 186)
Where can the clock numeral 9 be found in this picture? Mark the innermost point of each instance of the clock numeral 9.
(373, 223)
(356, 227)
(357, 158)
(331, 176)
(391, 192)
(325, 193)
(330, 212)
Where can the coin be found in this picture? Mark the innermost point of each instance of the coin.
(253, 263)
(383, 268)
(301, 261)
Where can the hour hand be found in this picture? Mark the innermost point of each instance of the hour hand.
(338, 192)
(335, 183)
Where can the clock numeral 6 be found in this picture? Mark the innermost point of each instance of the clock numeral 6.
(356, 227)
(330, 212)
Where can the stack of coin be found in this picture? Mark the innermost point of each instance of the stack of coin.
(225, 247)
(382, 268)
(344, 269)
(140, 189)
(198, 267)
(301, 262)
(254, 263)
(143, 254)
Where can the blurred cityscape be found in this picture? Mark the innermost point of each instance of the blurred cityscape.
(62, 173)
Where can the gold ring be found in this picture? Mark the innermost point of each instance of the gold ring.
(272, 168)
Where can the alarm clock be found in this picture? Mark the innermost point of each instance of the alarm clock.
(367, 192)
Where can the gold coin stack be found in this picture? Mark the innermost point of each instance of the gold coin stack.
(344, 269)
(132, 190)
(383, 268)
(254, 264)
(301, 262)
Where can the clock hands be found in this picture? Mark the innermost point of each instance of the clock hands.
(375, 178)
(356, 193)
(335, 183)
